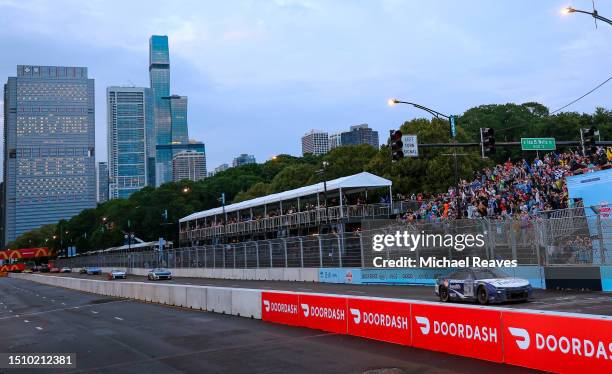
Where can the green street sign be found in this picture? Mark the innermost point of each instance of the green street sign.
(538, 144)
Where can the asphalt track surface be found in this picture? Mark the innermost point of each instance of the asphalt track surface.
(113, 335)
(584, 302)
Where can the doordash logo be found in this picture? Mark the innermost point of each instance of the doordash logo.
(524, 340)
(565, 345)
(279, 307)
(423, 324)
(356, 315)
(306, 310)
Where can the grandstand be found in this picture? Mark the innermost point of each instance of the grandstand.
(331, 206)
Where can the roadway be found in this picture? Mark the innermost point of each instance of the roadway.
(117, 335)
(585, 302)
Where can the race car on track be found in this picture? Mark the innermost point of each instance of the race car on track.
(83, 270)
(94, 271)
(157, 274)
(116, 274)
(482, 285)
(65, 270)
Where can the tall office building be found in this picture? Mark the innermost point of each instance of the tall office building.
(335, 140)
(129, 127)
(49, 138)
(360, 134)
(170, 111)
(220, 168)
(243, 159)
(315, 142)
(103, 186)
(188, 165)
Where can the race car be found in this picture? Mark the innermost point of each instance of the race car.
(482, 285)
(116, 274)
(94, 271)
(157, 274)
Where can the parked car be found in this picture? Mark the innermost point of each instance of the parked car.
(94, 271)
(482, 285)
(116, 274)
(65, 270)
(157, 274)
(54, 270)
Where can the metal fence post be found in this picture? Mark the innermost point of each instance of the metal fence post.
(301, 253)
(223, 247)
(320, 251)
(602, 249)
(285, 247)
(340, 250)
(257, 253)
(245, 255)
(234, 254)
(214, 257)
(270, 247)
(361, 249)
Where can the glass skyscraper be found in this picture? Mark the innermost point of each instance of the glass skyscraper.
(170, 111)
(130, 124)
(49, 137)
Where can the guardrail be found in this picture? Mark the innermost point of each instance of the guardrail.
(549, 341)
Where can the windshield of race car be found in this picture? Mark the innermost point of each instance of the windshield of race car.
(488, 274)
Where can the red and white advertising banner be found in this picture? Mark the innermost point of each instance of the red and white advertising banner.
(388, 321)
(323, 313)
(470, 332)
(280, 307)
(558, 343)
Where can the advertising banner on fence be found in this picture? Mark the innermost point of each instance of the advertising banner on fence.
(470, 332)
(558, 343)
(347, 275)
(388, 321)
(323, 313)
(281, 308)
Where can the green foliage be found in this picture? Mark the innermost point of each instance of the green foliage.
(431, 172)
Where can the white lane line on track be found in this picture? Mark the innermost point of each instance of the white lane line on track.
(119, 318)
(38, 328)
(94, 312)
(26, 321)
(60, 309)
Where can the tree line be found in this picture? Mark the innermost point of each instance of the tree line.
(144, 212)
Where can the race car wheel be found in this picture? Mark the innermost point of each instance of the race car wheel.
(483, 296)
(444, 295)
(149, 276)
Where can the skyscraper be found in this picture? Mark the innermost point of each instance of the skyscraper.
(170, 111)
(315, 142)
(243, 159)
(188, 165)
(49, 137)
(102, 182)
(360, 134)
(130, 124)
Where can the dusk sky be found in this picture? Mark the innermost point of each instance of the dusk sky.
(259, 74)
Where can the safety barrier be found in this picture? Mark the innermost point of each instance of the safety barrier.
(549, 341)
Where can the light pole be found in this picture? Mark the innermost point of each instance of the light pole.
(321, 172)
(436, 114)
(593, 14)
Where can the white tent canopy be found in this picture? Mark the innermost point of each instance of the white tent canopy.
(361, 180)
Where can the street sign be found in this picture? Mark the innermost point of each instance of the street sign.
(453, 128)
(538, 144)
(411, 146)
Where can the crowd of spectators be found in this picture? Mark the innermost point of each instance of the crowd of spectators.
(517, 190)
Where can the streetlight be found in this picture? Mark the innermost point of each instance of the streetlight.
(594, 14)
(185, 189)
(436, 114)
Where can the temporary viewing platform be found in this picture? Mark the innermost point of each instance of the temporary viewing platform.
(297, 210)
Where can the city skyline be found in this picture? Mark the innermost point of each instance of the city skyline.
(448, 73)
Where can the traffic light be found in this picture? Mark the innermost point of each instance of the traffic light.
(487, 138)
(396, 145)
(588, 141)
